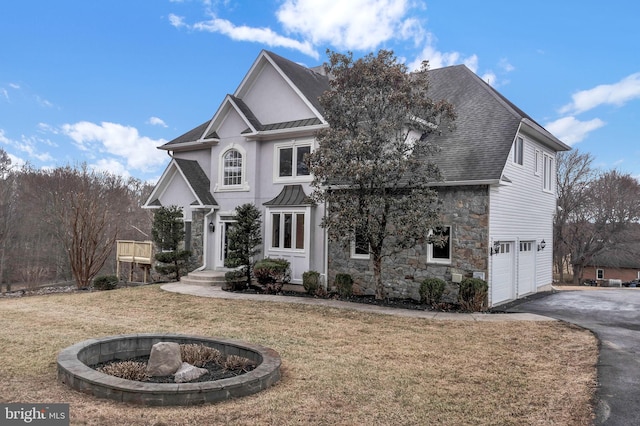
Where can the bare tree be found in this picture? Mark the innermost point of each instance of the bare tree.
(8, 201)
(372, 164)
(607, 219)
(574, 176)
(82, 208)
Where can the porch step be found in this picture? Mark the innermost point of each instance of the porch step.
(204, 278)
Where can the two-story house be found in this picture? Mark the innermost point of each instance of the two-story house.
(498, 194)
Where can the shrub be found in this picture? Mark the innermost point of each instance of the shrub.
(344, 285)
(238, 363)
(105, 282)
(473, 294)
(199, 355)
(431, 290)
(130, 370)
(235, 280)
(311, 281)
(272, 274)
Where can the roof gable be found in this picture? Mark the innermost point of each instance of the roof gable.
(192, 175)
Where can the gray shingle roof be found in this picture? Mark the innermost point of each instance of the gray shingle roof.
(623, 256)
(291, 195)
(191, 136)
(197, 179)
(485, 127)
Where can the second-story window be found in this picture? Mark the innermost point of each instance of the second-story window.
(548, 171)
(290, 160)
(518, 151)
(232, 168)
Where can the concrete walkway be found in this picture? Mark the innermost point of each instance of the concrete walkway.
(217, 292)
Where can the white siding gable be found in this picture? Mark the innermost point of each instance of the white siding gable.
(522, 211)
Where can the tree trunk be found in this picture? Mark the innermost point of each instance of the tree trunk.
(377, 276)
(578, 270)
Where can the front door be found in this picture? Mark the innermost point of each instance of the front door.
(222, 246)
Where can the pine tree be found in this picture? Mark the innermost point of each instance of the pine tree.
(168, 233)
(244, 239)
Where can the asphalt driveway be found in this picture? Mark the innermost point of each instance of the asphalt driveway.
(614, 316)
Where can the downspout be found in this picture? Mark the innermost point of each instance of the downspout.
(205, 239)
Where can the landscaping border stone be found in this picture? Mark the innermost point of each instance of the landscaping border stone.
(74, 370)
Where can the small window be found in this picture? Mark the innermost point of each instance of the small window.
(518, 151)
(360, 246)
(439, 251)
(536, 167)
(600, 274)
(290, 161)
(547, 173)
(505, 247)
(526, 246)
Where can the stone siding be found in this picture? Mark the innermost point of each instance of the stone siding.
(197, 237)
(466, 210)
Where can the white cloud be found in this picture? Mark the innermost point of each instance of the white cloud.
(353, 25)
(438, 59)
(5, 94)
(176, 21)
(616, 94)
(505, 65)
(139, 151)
(258, 35)
(28, 145)
(14, 86)
(111, 166)
(571, 130)
(155, 121)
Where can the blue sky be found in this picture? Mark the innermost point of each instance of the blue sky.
(105, 82)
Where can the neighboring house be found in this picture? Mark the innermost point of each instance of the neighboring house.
(619, 263)
(498, 194)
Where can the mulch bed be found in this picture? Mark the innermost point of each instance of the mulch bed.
(216, 372)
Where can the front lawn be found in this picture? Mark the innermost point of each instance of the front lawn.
(340, 367)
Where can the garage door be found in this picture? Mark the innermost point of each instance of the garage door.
(526, 268)
(502, 283)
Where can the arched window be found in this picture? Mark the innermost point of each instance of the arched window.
(232, 168)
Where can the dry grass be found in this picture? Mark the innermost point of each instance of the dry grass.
(339, 367)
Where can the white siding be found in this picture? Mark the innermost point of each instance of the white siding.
(522, 211)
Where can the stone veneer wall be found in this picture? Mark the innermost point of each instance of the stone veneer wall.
(197, 237)
(466, 210)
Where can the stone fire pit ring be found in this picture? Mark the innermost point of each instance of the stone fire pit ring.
(74, 370)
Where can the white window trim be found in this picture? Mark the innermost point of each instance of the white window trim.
(269, 229)
(276, 161)
(536, 168)
(220, 186)
(354, 255)
(430, 258)
(548, 172)
(598, 270)
(518, 142)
